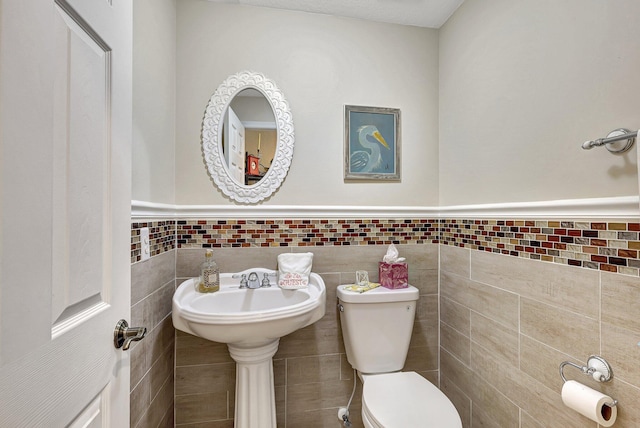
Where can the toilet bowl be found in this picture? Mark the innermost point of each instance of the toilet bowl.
(376, 328)
(406, 399)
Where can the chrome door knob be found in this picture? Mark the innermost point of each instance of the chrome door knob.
(123, 335)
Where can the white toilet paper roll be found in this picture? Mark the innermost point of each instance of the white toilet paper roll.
(589, 402)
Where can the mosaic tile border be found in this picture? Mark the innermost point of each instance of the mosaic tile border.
(304, 233)
(609, 246)
(162, 235)
(612, 246)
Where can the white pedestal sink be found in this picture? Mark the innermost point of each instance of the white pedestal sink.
(251, 323)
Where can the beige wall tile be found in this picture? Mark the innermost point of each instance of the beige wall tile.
(526, 421)
(419, 256)
(346, 371)
(432, 376)
(281, 404)
(621, 301)
(201, 407)
(502, 342)
(280, 372)
(425, 280)
(321, 368)
(486, 417)
(492, 302)
(319, 395)
(317, 339)
(544, 404)
(323, 418)
(150, 275)
(206, 378)
(331, 283)
(161, 371)
(167, 419)
(425, 335)
(565, 331)
(345, 258)
(455, 342)
(313, 378)
(161, 302)
(139, 362)
(483, 395)
(459, 399)
(228, 423)
(427, 309)
(188, 260)
(455, 315)
(456, 371)
(192, 350)
(160, 410)
(160, 338)
(140, 400)
(562, 286)
(141, 316)
(422, 359)
(620, 348)
(152, 359)
(455, 260)
(542, 362)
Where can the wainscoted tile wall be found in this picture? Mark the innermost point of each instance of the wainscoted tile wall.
(514, 299)
(507, 323)
(152, 359)
(312, 376)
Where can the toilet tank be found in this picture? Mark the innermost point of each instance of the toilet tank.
(377, 326)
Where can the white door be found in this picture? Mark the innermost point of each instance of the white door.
(65, 195)
(234, 145)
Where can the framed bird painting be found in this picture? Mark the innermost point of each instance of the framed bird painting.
(371, 143)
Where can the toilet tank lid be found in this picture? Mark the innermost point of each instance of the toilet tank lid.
(378, 295)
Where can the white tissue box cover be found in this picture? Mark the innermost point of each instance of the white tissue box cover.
(294, 269)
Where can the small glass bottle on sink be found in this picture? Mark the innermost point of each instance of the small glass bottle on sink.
(209, 275)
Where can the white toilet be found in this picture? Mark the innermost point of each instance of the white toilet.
(376, 326)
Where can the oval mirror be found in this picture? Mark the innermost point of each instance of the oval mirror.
(247, 137)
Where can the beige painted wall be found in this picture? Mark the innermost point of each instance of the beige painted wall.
(154, 51)
(320, 63)
(523, 85)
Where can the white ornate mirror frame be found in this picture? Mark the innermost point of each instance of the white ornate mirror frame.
(212, 132)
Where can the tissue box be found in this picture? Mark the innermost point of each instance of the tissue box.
(393, 275)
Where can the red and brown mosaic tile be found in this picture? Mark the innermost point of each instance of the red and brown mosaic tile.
(609, 246)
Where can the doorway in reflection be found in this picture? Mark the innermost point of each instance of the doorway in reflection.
(249, 136)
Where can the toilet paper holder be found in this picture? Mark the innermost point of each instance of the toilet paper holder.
(597, 367)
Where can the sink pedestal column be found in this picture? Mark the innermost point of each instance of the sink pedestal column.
(255, 395)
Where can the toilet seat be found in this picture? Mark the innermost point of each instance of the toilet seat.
(406, 399)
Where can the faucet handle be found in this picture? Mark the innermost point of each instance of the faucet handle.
(243, 279)
(265, 279)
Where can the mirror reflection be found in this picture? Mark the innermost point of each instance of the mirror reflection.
(249, 136)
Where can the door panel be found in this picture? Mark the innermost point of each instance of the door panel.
(65, 180)
(81, 115)
(235, 136)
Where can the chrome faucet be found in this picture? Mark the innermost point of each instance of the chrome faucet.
(253, 281)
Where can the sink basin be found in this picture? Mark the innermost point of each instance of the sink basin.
(251, 323)
(244, 316)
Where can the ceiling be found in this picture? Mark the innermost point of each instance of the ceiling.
(421, 13)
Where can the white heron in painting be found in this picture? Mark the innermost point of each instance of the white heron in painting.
(367, 160)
